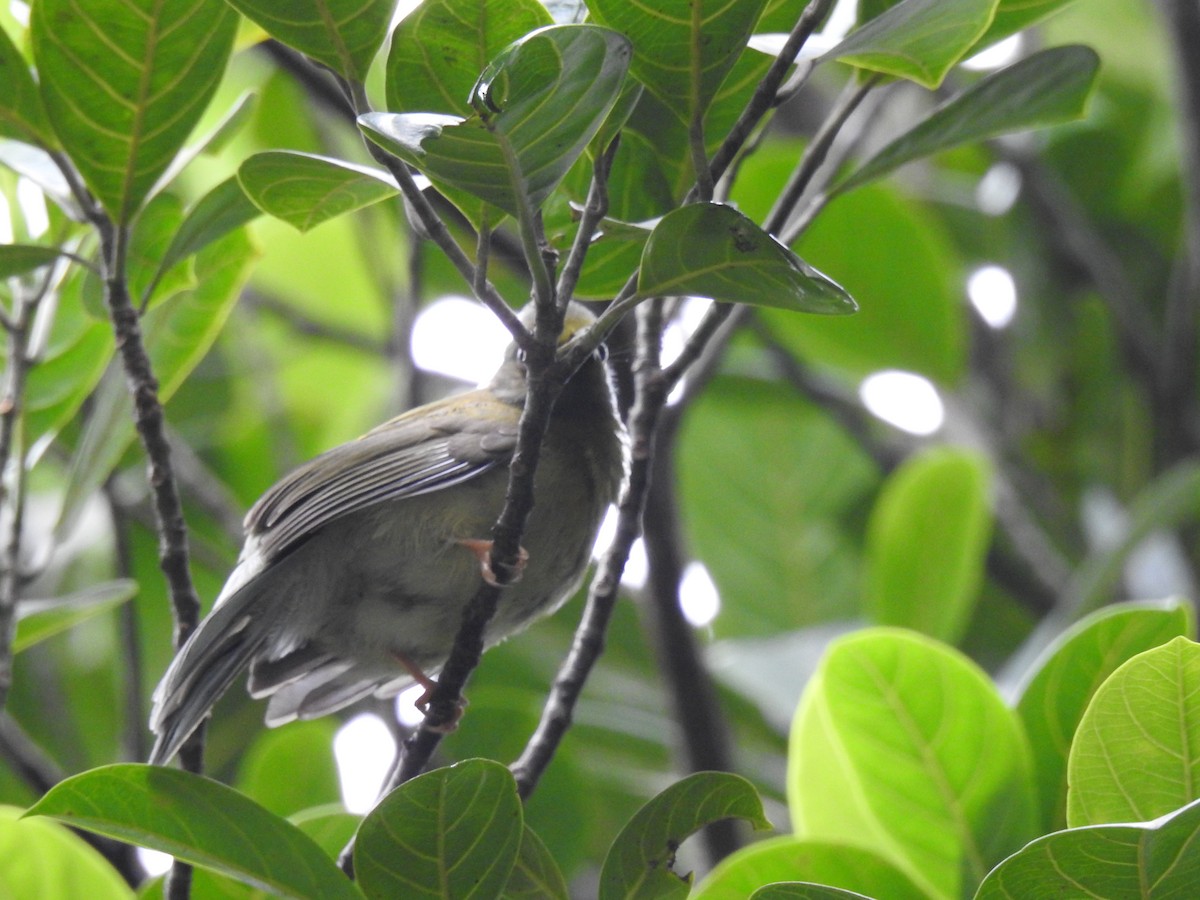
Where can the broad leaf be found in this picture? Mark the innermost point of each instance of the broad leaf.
(537, 106)
(799, 890)
(639, 863)
(305, 190)
(468, 34)
(1043, 89)
(42, 619)
(535, 875)
(927, 541)
(199, 821)
(787, 858)
(343, 34)
(1154, 861)
(903, 745)
(1136, 753)
(1016, 15)
(450, 833)
(1059, 688)
(122, 116)
(43, 859)
(21, 112)
(712, 250)
(917, 39)
(19, 259)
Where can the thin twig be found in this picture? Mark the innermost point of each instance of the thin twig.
(134, 722)
(594, 211)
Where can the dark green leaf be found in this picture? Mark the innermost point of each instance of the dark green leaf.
(123, 116)
(1154, 861)
(21, 112)
(450, 833)
(712, 250)
(639, 864)
(468, 34)
(200, 821)
(1043, 89)
(42, 619)
(536, 875)
(44, 860)
(917, 39)
(343, 34)
(905, 744)
(927, 541)
(1058, 690)
(305, 190)
(1136, 753)
(18, 259)
(542, 101)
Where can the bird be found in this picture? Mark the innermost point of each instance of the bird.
(357, 565)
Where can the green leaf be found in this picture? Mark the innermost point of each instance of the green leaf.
(1059, 688)
(21, 112)
(682, 49)
(787, 858)
(920, 40)
(343, 34)
(42, 619)
(903, 745)
(1136, 753)
(123, 115)
(1152, 861)
(44, 860)
(468, 34)
(199, 821)
(449, 833)
(798, 890)
(19, 259)
(712, 250)
(927, 542)
(302, 749)
(538, 105)
(639, 863)
(536, 875)
(1043, 89)
(305, 190)
(1016, 15)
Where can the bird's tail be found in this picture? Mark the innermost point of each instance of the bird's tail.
(215, 654)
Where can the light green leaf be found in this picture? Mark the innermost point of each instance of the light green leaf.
(712, 250)
(450, 833)
(788, 858)
(44, 860)
(927, 542)
(199, 821)
(125, 82)
(537, 106)
(917, 39)
(1136, 753)
(343, 34)
(1015, 15)
(1154, 861)
(21, 112)
(903, 745)
(536, 875)
(468, 34)
(305, 190)
(302, 749)
(1072, 668)
(42, 619)
(797, 890)
(639, 863)
(1043, 89)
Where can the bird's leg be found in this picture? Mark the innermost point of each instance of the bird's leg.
(482, 550)
(422, 702)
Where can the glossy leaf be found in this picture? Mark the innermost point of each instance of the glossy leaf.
(712, 250)
(542, 100)
(468, 34)
(343, 34)
(1059, 688)
(305, 190)
(200, 821)
(1046, 88)
(20, 259)
(44, 860)
(1136, 753)
(797, 890)
(917, 39)
(38, 620)
(842, 865)
(683, 49)
(21, 112)
(903, 745)
(927, 541)
(639, 863)
(450, 833)
(1152, 861)
(122, 116)
(535, 875)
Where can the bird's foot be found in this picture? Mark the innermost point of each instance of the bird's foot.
(482, 550)
(422, 702)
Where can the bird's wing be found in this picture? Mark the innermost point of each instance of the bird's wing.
(424, 450)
